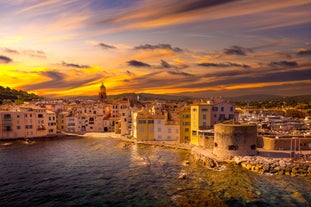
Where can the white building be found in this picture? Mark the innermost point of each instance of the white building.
(166, 130)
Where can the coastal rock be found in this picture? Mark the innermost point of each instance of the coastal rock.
(270, 166)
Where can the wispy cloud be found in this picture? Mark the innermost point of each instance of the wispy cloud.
(8, 50)
(138, 64)
(284, 63)
(165, 64)
(155, 14)
(106, 46)
(31, 53)
(304, 52)
(237, 50)
(158, 46)
(59, 80)
(223, 65)
(35, 53)
(179, 73)
(5, 59)
(73, 65)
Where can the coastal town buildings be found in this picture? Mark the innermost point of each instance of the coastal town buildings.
(27, 122)
(204, 115)
(194, 123)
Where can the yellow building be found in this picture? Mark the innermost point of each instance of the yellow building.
(143, 126)
(201, 119)
(185, 120)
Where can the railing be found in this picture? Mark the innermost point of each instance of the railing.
(204, 127)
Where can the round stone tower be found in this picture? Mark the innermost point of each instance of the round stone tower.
(234, 140)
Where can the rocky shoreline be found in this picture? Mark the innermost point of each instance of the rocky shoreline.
(278, 166)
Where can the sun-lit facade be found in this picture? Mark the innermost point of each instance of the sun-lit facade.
(27, 122)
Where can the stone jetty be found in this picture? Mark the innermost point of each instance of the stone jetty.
(279, 166)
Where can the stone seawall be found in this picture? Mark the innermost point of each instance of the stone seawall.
(205, 157)
(279, 166)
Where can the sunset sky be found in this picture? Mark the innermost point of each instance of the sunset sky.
(187, 47)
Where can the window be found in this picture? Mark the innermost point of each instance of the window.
(222, 108)
(51, 130)
(215, 144)
(204, 116)
(7, 116)
(151, 129)
(215, 108)
(18, 127)
(232, 147)
(186, 116)
(8, 128)
(194, 109)
(253, 146)
(17, 116)
(150, 121)
(159, 129)
(142, 129)
(204, 109)
(169, 130)
(221, 117)
(231, 108)
(194, 133)
(159, 121)
(186, 129)
(142, 122)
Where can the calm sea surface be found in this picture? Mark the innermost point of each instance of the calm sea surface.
(108, 172)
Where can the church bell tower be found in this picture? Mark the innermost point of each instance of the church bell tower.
(102, 96)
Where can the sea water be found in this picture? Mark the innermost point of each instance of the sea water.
(110, 172)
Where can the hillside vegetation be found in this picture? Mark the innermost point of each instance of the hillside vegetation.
(8, 95)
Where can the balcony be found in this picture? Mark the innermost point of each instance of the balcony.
(41, 128)
(204, 127)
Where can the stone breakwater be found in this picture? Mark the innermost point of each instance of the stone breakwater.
(205, 157)
(279, 166)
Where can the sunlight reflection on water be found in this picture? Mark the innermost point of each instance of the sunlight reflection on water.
(108, 172)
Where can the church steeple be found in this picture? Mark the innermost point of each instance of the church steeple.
(102, 96)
